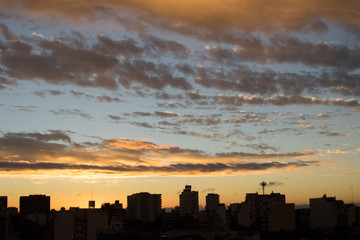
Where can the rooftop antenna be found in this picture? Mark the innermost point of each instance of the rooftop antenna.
(263, 184)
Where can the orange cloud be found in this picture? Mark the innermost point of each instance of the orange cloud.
(254, 15)
(337, 151)
(135, 145)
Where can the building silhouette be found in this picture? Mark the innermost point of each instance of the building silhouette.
(212, 202)
(80, 224)
(144, 206)
(267, 212)
(189, 202)
(327, 212)
(35, 208)
(91, 204)
(3, 202)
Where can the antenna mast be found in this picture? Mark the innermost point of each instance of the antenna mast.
(263, 184)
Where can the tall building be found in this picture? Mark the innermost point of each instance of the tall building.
(3, 202)
(189, 202)
(35, 208)
(267, 212)
(212, 202)
(327, 212)
(144, 206)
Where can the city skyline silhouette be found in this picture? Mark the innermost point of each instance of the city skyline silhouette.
(100, 100)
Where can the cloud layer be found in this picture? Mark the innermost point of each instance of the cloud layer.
(56, 151)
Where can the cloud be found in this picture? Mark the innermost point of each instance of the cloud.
(4, 82)
(166, 114)
(318, 26)
(177, 169)
(277, 100)
(331, 134)
(77, 60)
(55, 150)
(286, 49)
(108, 99)
(134, 145)
(142, 124)
(149, 74)
(72, 112)
(261, 147)
(157, 46)
(208, 190)
(275, 183)
(60, 63)
(242, 155)
(53, 135)
(307, 126)
(209, 15)
(25, 108)
(336, 151)
(45, 92)
(115, 118)
(268, 82)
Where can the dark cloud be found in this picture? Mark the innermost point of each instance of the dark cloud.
(354, 28)
(331, 134)
(157, 46)
(285, 49)
(239, 79)
(173, 168)
(166, 96)
(166, 114)
(142, 114)
(264, 155)
(124, 46)
(261, 147)
(172, 105)
(102, 98)
(43, 93)
(108, 99)
(72, 60)
(72, 112)
(25, 108)
(58, 63)
(115, 118)
(150, 75)
(201, 121)
(142, 124)
(268, 82)
(5, 81)
(54, 135)
(275, 183)
(32, 146)
(214, 17)
(318, 26)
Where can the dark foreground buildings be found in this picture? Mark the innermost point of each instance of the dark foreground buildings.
(260, 216)
(35, 208)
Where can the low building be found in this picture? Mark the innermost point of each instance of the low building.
(144, 206)
(80, 224)
(327, 212)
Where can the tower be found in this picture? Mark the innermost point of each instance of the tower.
(212, 202)
(189, 202)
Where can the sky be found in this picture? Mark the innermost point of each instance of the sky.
(103, 99)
